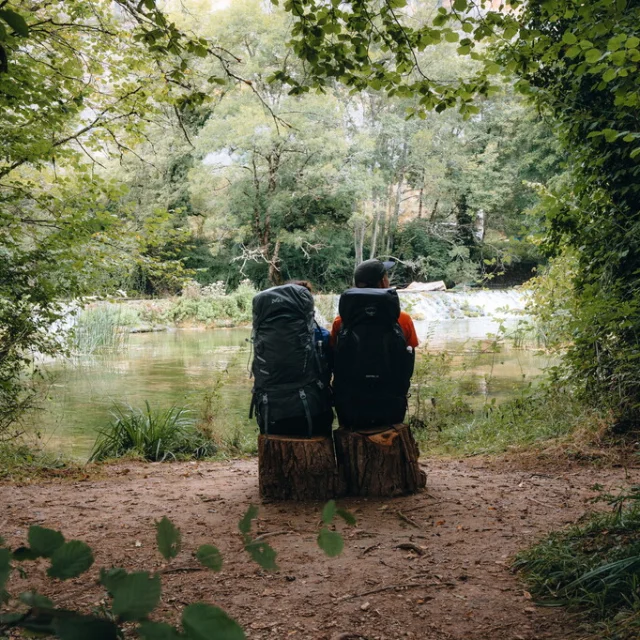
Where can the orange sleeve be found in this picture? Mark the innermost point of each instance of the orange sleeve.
(337, 323)
(406, 324)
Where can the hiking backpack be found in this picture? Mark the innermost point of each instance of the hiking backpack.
(291, 394)
(372, 363)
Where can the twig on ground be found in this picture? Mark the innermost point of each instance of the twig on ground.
(408, 520)
(544, 504)
(270, 534)
(371, 548)
(388, 587)
(409, 546)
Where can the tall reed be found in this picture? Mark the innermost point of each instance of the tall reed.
(99, 329)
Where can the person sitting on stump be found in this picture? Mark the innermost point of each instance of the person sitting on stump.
(291, 393)
(373, 351)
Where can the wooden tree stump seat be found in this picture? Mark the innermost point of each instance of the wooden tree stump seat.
(292, 468)
(382, 463)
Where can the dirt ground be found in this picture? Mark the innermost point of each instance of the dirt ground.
(432, 566)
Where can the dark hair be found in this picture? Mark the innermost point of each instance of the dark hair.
(302, 283)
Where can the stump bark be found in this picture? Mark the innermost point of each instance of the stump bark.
(297, 468)
(382, 464)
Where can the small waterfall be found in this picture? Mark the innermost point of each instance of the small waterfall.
(434, 306)
(454, 305)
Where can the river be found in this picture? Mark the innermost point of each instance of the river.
(183, 367)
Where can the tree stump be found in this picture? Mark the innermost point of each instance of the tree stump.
(297, 468)
(382, 464)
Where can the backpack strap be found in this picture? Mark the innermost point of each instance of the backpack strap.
(307, 412)
(252, 406)
(265, 399)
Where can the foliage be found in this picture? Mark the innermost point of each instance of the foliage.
(592, 567)
(75, 87)
(211, 305)
(131, 597)
(152, 435)
(446, 419)
(19, 460)
(99, 329)
(577, 63)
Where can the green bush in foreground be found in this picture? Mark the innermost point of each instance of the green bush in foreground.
(152, 435)
(132, 597)
(593, 567)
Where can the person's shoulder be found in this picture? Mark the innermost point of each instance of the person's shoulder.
(405, 317)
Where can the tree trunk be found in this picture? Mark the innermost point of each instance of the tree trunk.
(358, 238)
(275, 276)
(393, 223)
(376, 225)
(421, 196)
(297, 468)
(383, 464)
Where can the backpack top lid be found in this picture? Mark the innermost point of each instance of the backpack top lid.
(369, 306)
(287, 301)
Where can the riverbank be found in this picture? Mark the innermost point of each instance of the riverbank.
(445, 576)
(211, 307)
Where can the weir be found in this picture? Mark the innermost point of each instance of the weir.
(436, 306)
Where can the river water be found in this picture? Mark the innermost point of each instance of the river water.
(183, 367)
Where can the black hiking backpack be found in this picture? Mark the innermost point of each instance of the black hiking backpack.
(291, 394)
(372, 364)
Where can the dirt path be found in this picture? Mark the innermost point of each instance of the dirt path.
(474, 515)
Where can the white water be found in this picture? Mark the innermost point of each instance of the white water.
(434, 306)
(443, 317)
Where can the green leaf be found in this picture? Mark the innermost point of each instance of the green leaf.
(609, 75)
(109, 578)
(635, 153)
(168, 538)
(572, 52)
(83, 627)
(136, 595)
(329, 511)
(593, 55)
(203, 622)
(43, 541)
(157, 631)
(3, 32)
(210, 557)
(262, 554)
(330, 542)
(70, 560)
(5, 567)
(569, 38)
(632, 42)
(451, 36)
(245, 524)
(15, 21)
(347, 516)
(460, 5)
(610, 135)
(33, 599)
(22, 554)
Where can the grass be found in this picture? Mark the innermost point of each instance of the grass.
(448, 419)
(100, 329)
(155, 436)
(592, 568)
(20, 461)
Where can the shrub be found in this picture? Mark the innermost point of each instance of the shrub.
(152, 435)
(594, 568)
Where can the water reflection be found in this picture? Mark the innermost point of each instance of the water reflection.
(178, 367)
